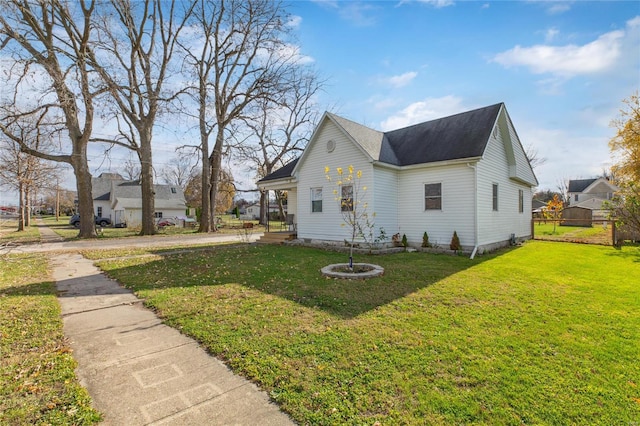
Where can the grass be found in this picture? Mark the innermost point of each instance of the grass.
(231, 225)
(595, 235)
(9, 233)
(548, 333)
(37, 379)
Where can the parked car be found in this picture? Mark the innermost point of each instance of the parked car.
(100, 221)
(166, 222)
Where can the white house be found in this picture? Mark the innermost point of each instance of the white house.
(121, 200)
(591, 194)
(466, 173)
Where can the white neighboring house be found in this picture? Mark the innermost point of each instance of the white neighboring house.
(121, 200)
(253, 211)
(466, 173)
(591, 194)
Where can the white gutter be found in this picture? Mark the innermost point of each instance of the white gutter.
(475, 207)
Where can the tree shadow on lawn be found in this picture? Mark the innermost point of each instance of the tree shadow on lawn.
(627, 251)
(294, 273)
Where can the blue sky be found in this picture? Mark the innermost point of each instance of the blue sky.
(561, 68)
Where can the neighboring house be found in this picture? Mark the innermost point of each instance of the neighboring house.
(121, 200)
(253, 211)
(466, 173)
(591, 194)
(538, 208)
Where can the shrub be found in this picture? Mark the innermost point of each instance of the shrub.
(425, 240)
(405, 243)
(455, 242)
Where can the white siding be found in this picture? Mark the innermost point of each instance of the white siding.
(497, 226)
(457, 212)
(327, 224)
(385, 201)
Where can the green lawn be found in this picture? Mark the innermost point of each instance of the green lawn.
(37, 379)
(596, 234)
(548, 333)
(10, 235)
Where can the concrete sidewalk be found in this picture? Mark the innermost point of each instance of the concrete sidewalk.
(139, 371)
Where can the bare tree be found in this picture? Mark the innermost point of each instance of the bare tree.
(563, 190)
(179, 170)
(238, 54)
(534, 157)
(281, 130)
(48, 42)
(133, 57)
(23, 172)
(131, 169)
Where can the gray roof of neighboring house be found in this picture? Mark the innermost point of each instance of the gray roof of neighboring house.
(101, 185)
(580, 185)
(132, 189)
(592, 204)
(459, 136)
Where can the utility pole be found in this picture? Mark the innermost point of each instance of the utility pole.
(57, 198)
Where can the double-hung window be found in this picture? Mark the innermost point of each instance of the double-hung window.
(495, 197)
(346, 199)
(520, 201)
(433, 196)
(316, 200)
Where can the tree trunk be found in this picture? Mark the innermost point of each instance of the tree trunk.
(216, 165)
(83, 186)
(264, 207)
(21, 206)
(28, 204)
(146, 183)
(205, 210)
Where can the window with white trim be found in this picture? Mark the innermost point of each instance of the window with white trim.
(316, 200)
(99, 211)
(346, 199)
(495, 197)
(520, 201)
(157, 215)
(433, 196)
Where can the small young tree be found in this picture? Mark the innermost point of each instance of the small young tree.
(553, 211)
(455, 242)
(349, 192)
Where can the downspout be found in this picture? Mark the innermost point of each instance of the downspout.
(475, 208)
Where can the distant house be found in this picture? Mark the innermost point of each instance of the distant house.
(591, 194)
(466, 173)
(121, 200)
(253, 211)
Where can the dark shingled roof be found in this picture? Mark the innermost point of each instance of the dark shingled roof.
(463, 135)
(283, 172)
(580, 185)
(458, 136)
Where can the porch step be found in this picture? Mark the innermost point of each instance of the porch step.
(277, 237)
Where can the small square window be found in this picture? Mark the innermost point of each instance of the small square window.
(157, 215)
(174, 191)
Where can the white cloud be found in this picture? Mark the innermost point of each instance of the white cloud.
(596, 56)
(294, 21)
(550, 34)
(557, 8)
(398, 81)
(438, 3)
(485, 6)
(427, 109)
